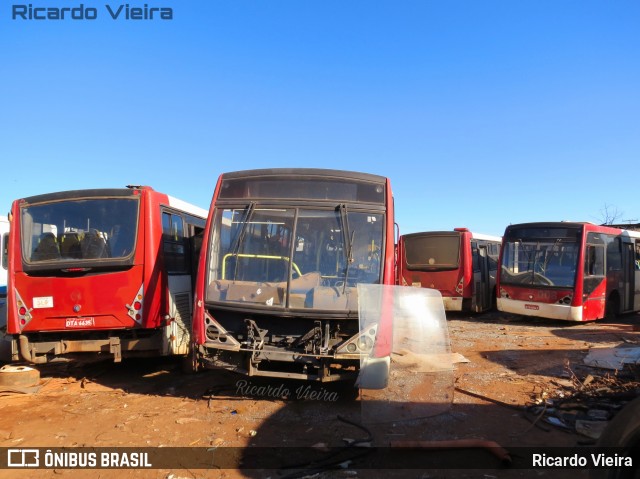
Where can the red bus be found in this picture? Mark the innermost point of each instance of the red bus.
(283, 253)
(462, 265)
(101, 272)
(569, 271)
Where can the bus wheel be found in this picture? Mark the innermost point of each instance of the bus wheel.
(18, 376)
(190, 363)
(612, 308)
(622, 434)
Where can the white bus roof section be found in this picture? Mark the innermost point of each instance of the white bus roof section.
(631, 234)
(188, 207)
(480, 236)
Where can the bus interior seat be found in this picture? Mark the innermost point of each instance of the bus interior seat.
(70, 246)
(47, 248)
(93, 245)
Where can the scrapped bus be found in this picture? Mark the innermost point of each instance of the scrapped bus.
(461, 264)
(283, 253)
(4, 240)
(103, 272)
(569, 271)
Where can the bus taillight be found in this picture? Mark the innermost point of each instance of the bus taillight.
(135, 309)
(24, 313)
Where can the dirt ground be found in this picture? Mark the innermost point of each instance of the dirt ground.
(510, 363)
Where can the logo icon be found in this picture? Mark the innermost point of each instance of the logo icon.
(23, 458)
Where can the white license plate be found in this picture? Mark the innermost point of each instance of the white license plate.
(80, 322)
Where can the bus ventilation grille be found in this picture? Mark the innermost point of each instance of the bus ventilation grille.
(183, 308)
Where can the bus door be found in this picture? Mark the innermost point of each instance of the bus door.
(482, 291)
(175, 246)
(628, 276)
(631, 275)
(636, 274)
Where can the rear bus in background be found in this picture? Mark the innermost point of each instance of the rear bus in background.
(104, 272)
(4, 241)
(569, 271)
(462, 265)
(283, 254)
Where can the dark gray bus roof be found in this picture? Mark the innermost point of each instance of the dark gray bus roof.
(306, 172)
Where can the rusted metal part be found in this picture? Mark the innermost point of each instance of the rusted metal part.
(36, 352)
(488, 399)
(18, 376)
(490, 446)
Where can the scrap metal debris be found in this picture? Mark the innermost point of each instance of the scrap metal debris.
(613, 358)
(585, 405)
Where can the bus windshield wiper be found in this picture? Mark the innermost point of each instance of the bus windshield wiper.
(348, 242)
(240, 238)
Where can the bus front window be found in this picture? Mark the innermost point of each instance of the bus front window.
(540, 262)
(293, 258)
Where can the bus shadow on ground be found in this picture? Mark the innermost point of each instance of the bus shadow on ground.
(324, 435)
(550, 360)
(166, 377)
(465, 440)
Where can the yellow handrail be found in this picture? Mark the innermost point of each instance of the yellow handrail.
(260, 256)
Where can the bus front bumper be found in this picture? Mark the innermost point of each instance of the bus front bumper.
(542, 310)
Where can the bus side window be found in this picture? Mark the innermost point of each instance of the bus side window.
(474, 257)
(614, 254)
(5, 250)
(175, 253)
(638, 255)
(594, 261)
(494, 253)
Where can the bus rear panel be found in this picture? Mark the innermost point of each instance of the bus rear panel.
(95, 273)
(462, 265)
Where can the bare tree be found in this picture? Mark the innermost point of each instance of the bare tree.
(610, 214)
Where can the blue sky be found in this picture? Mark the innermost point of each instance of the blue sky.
(482, 113)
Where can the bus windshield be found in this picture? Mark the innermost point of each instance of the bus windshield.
(300, 258)
(540, 262)
(78, 230)
(432, 252)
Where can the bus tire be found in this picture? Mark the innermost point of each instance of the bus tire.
(622, 433)
(190, 363)
(18, 376)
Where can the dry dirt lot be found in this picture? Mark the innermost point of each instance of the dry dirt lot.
(512, 363)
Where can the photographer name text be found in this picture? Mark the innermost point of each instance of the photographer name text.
(80, 12)
(580, 460)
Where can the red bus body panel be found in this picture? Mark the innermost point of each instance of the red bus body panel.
(92, 294)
